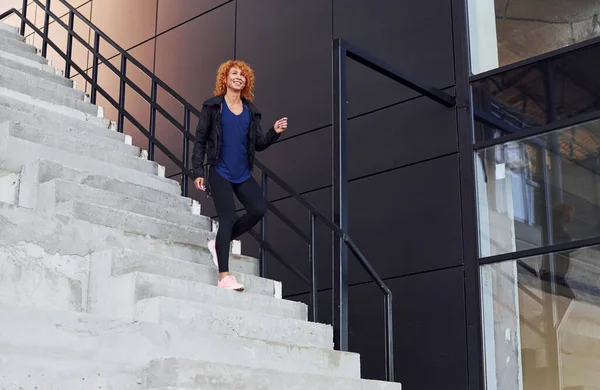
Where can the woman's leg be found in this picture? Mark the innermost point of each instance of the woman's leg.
(222, 194)
(250, 194)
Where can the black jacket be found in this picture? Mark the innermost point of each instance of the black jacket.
(209, 135)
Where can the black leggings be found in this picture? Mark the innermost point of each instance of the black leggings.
(231, 227)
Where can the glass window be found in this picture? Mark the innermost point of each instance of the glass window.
(538, 94)
(541, 321)
(539, 191)
(507, 31)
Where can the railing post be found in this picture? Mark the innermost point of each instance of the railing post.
(69, 45)
(95, 68)
(313, 271)
(46, 23)
(263, 227)
(24, 12)
(122, 85)
(389, 339)
(340, 198)
(186, 151)
(152, 121)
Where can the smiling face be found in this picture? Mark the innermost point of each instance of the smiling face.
(235, 76)
(236, 80)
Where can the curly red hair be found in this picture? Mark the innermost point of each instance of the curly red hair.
(223, 71)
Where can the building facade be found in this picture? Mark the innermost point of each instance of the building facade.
(483, 219)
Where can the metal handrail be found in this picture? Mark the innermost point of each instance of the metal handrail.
(338, 226)
(342, 50)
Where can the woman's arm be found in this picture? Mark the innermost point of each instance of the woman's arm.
(202, 132)
(272, 135)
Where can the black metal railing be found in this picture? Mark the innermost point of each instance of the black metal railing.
(339, 225)
(342, 50)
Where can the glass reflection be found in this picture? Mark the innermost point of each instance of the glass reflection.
(506, 31)
(538, 94)
(539, 191)
(541, 321)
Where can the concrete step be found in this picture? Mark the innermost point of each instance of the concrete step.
(60, 144)
(132, 190)
(124, 261)
(30, 114)
(56, 191)
(20, 45)
(23, 50)
(172, 373)
(40, 333)
(8, 28)
(45, 90)
(31, 63)
(56, 372)
(118, 298)
(50, 235)
(109, 179)
(241, 323)
(102, 143)
(45, 261)
(12, 34)
(15, 153)
(134, 223)
(34, 69)
(19, 101)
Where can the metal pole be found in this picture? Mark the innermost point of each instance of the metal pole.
(152, 122)
(69, 45)
(313, 271)
(340, 198)
(389, 339)
(95, 68)
(186, 150)
(122, 85)
(263, 228)
(46, 23)
(24, 12)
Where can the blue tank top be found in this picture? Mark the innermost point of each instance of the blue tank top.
(233, 157)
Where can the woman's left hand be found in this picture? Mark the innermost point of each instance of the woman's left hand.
(281, 125)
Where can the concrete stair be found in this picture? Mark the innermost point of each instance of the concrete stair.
(105, 276)
(57, 191)
(81, 336)
(10, 31)
(182, 374)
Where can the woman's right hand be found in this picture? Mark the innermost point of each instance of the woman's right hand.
(199, 183)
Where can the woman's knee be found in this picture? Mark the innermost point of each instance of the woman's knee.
(258, 208)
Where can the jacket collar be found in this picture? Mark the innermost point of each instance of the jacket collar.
(218, 100)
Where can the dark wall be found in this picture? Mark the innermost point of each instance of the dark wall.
(405, 209)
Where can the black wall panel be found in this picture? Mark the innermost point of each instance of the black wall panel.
(398, 219)
(404, 134)
(128, 23)
(304, 162)
(288, 43)
(429, 328)
(414, 37)
(61, 10)
(170, 14)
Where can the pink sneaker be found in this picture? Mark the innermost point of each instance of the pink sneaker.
(213, 251)
(230, 283)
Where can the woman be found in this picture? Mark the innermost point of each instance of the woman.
(228, 134)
